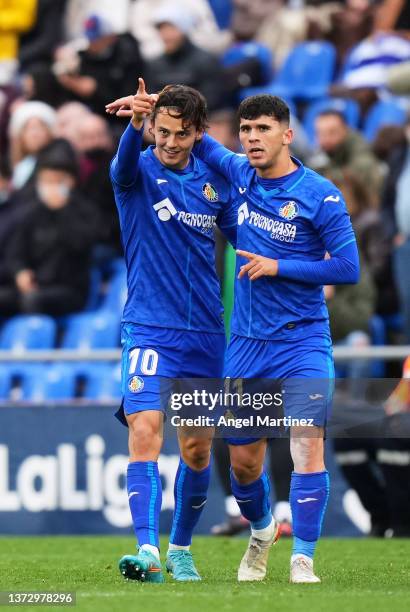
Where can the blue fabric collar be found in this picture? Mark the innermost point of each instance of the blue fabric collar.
(294, 179)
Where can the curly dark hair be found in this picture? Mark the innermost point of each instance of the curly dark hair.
(264, 104)
(185, 103)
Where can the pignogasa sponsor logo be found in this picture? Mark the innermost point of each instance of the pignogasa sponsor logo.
(136, 384)
(289, 210)
(210, 193)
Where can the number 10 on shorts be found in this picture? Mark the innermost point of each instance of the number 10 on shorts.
(146, 359)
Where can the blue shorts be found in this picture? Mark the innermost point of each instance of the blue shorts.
(153, 355)
(302, 371)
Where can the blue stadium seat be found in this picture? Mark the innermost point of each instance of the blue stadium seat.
(97, 330)
(116, 266)
(27, 332)
(394, 322)
(242, 51)
(377, 333)
(5, 382)
(42, 382)
(307, 71)
(103, 382)
(94, 290)
(348, 107)
(116, 296)
(384, 112)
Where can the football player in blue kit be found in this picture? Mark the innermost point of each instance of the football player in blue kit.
(294, 236)
(168, 203)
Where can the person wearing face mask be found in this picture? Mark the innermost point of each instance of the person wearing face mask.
(49, 253)
(95, 145)
(396, 214)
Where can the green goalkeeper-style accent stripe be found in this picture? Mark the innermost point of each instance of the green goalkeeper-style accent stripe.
(228, 286)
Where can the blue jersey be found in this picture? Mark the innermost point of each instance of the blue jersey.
(296, 224)
(167, 221)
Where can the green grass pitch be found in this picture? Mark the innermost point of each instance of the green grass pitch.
(357, 574)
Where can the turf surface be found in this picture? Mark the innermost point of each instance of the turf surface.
(360, 574)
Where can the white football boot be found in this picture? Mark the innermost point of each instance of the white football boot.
(255, 560)
(301, 570)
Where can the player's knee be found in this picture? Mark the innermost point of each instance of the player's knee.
(307, 454)
(145, 438)
(246, 468)
(196, 453)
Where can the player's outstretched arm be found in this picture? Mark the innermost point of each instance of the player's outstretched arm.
(125, 163)
(221, 159)
(342, 268)
(334, 227)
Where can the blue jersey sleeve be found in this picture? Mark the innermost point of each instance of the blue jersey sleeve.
(223, 160)
(227, 220)
(125, 163)
(341, 269)
(334, 227)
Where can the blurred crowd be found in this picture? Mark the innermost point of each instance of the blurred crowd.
(61, 61)
(343, 67)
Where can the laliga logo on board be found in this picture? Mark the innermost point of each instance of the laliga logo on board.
(50, 483)
(210, 193)
(289, 210)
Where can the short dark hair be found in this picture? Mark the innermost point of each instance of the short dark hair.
(264, 104)
(333, 112)
(186, 103)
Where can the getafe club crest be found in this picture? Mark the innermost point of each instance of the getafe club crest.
(289, 210)
(136, 384)
(210, 193)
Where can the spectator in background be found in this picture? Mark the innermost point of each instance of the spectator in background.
(388, 138)
(372, 239)
(203, 30)
(16, 17)
(341, 148)
(183, 62)
(350, 22)
(373, 456)
(49, 253)
(12, 211)
(352, 306)
(30, 130)
(104, 70)
(350, 310)
(396, 214)
(392, 15)
(37, 45)
(223, 126)
(366, 71)
(77, 11)
(69, 117)
(40, 83)
(96, 148)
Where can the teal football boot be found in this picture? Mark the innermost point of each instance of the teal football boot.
(181, 565)
(143, 566)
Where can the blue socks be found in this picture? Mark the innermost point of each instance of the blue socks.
(254, 500)
(145, 497)
(190, 493)
(308, 500)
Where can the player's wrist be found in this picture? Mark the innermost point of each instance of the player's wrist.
(137, 123)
